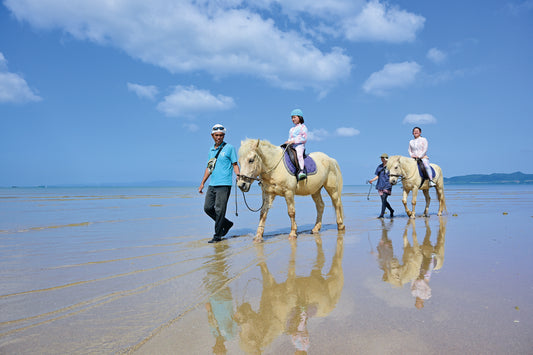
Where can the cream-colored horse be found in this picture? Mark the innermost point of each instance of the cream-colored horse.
(260, 158)
(406, 168)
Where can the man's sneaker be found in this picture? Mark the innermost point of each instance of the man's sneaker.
(302, 176)
(215, 239)
(226, 228)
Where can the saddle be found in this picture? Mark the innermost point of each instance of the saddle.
(422, 171)
(290, 160)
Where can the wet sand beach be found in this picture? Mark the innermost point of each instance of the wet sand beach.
(129, 270)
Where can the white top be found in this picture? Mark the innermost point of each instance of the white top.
(418, 147)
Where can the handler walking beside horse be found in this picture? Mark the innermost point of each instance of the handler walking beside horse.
(383, 186)
(222, 162)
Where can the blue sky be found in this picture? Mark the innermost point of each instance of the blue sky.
(100, 91)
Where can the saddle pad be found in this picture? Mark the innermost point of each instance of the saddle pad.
(422, 171)
(310, 165)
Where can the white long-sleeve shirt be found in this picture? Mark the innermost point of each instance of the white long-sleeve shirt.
(418, 147)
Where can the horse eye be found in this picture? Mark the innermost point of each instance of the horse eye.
(250, 161)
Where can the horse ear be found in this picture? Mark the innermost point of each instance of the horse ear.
(257, 145)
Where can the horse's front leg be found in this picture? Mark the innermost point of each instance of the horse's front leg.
(404, 201)
(267, 203)
(319, 203)
(289, 198)
(413, 202)
(428, 200)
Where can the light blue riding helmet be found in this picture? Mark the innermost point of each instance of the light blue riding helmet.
(297, 112)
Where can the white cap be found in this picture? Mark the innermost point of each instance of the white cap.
(218, 128)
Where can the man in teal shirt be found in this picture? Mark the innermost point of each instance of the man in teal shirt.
(218, 192)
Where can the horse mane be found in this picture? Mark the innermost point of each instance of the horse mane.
(266, 149)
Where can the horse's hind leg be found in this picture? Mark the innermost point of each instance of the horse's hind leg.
(440, 197)
(319, 203)
(428, 200)
(335, 195)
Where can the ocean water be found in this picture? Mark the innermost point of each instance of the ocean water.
(106, 270)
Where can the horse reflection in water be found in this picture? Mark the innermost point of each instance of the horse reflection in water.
(287, 306)
(418, 261)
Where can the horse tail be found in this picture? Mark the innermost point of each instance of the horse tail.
(338, 174)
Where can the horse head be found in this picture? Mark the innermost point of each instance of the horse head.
(250, 164)
(394, 169)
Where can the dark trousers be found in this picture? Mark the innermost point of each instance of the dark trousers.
(385, 204)
(216, 201)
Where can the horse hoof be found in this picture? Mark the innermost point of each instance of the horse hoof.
(292, 236)
(258, 239)
(341, 227)
(315, 231)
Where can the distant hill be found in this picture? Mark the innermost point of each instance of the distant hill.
(513, 178)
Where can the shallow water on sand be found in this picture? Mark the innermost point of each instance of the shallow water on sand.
(106, 270)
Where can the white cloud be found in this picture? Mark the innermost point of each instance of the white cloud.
(317, 134)
(393, 75)
(221, 38)
(13, 88)
(424, 118)
(189, 102)
(143, 91)
(347, 131)
(380, 22)
(435, 55)
(191, 127)
(320, 134)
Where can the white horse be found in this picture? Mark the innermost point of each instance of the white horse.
(407, 168)
(260, 158)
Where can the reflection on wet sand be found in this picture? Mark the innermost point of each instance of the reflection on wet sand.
(418, 261)
(287, 306)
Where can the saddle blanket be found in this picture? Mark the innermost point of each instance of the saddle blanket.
(422, 171)
(310, 165)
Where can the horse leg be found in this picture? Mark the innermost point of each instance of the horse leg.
(413, 202)
(440, 197)
(404, 201)
(319, 203)
(289, 198)
(335, 195)
(428, 200)
(268, 199)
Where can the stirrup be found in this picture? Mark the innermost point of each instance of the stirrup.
(302, 176)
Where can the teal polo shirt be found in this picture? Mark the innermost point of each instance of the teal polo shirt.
(223, 173)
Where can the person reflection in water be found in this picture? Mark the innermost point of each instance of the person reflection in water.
(432, 259)
(220, 305)
(286, 307)
(418, 261)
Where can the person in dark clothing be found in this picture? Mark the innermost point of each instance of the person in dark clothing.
(383, 186)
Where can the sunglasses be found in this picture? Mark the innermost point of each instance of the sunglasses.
(220, 128)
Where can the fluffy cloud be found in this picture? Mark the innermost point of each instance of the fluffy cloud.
(321, 134)
(347, 132)
(189, 101)
(393, 75)
(222, 38)
(13, 88)
(378, 22)
(424, 118)
(143, 91)
(436, 55)
(267, 39)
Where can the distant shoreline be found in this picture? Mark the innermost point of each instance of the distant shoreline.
(515, 178)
